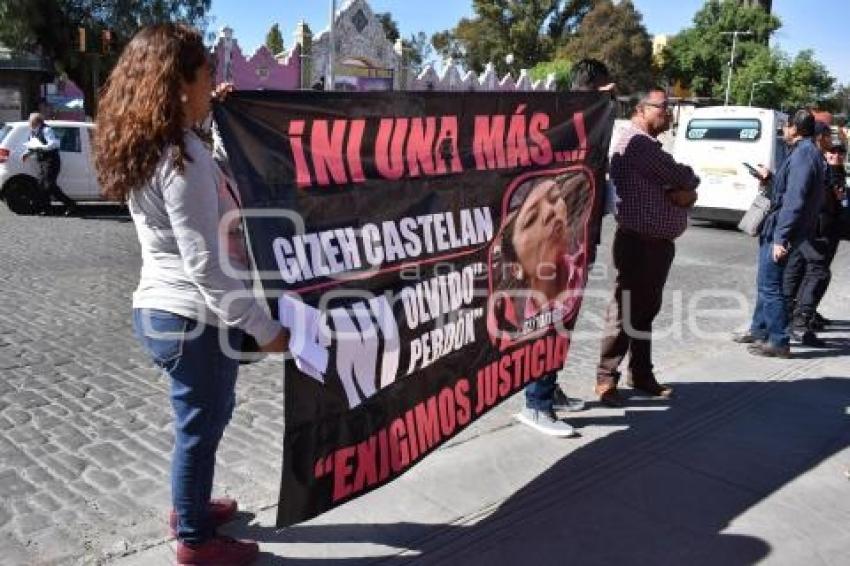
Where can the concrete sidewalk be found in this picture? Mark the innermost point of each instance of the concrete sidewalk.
(747, 463)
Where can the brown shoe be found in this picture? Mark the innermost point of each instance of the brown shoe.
(769, 351)
(651, 387)
(611, 398)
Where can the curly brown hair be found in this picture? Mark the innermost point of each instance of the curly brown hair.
(140, 114)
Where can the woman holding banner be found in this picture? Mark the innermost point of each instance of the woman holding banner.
(190, 314)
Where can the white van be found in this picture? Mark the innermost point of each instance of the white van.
(716, 141)
(19, 180)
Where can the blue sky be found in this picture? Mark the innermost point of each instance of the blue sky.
(822, 25)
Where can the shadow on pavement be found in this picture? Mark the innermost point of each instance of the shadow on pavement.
(836, 326)
(726, 226)
(95, 211)
(834, 347)
(660, 491)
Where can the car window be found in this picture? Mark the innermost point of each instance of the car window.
(724, 129)
(4, 131)
(69, 139)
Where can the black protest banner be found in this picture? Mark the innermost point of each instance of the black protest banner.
(428, 251)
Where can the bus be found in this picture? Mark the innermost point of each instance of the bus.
(717, 141)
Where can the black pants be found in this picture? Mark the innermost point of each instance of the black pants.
(50, 168)
(807, 275)
(642, 265)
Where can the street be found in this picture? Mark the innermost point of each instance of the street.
(85, 433)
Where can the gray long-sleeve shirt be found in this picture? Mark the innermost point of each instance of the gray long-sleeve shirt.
(178, 219)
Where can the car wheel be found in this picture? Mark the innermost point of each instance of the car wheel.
(23, 196)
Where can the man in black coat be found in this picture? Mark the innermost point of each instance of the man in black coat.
(807, 274)
(796, 197)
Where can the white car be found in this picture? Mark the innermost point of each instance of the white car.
(19, 180)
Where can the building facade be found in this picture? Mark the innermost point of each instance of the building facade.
(21, 79)
(364, 60)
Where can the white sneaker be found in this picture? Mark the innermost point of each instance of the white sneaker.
(545, 422)
(563, 402)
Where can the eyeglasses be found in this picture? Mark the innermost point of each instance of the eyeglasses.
(662, 105)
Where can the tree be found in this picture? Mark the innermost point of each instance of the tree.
(615, 34)
(419, 50)
(559, 67)
(50, 28)
(699, 56)
(805, 81)
(529, 31)
(794, 83)
(839, 100)
(274, 40)
(762, 65)
(390, 26)
(417, 47)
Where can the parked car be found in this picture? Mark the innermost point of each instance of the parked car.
(19, 180)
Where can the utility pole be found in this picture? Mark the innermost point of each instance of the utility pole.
(734, 35)
(329, 76)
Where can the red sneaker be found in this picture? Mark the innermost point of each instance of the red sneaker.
(220, 550)
(221, 511)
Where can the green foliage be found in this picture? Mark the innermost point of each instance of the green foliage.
(417, 46)
(419, 50)
(615, 34)
(805, 81)
(699, 56)
(762, 65)
(390, 26)
(839, 101)
(528, 31)
(559, 67)
(801, 81)
(274, 40)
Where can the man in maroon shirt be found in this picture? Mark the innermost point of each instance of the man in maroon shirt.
(654, 192)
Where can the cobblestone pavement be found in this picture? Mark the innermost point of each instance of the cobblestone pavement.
(84, 417)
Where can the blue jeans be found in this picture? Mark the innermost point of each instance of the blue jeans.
(540, 394)
(770, 318)
(203, 379)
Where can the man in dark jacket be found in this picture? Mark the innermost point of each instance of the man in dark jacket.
(796, 196)
(807, 273)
